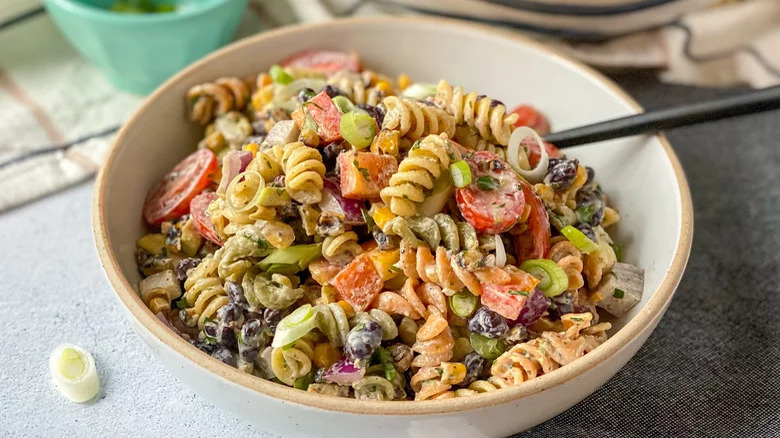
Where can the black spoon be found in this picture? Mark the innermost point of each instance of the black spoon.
(747, 103)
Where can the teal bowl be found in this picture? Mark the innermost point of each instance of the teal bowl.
(137, 52)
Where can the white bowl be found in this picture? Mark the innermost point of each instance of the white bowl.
(641, 175)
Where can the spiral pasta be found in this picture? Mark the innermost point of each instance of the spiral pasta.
(434, 382)
(204, 294)
(469, 137)
(442, 228)
(288, 364)
(267, 163)
(434, 342)
(547, 353)
(341, 247)
(416, 172)
(374, 388)
(490, 384)
(488, 116)
(358, 90)
(389, 327)
(415, 119)
(216, 98)
(414, 301)
(569, 258)
(241, 205)
(303, 172)
(276, 291)
(600, 261)
(437, 268)
(333, 323)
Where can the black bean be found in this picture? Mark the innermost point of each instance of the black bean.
(305, 94)
(258, 126)
(384, 242)
(271, 318)
(488, 323)
(494, 103)
(289, 212)
(225, 355)
(516, 335)
(332, 91)
(203, 346)
(362, 340)
(330, 155)
(590, 206)
(377, 112)
(561, 174)
(236, 294)
(588, 231)
(184, 266)
(561, 305)
(475, 364)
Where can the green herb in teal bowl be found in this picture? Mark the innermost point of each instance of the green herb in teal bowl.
(141, 7)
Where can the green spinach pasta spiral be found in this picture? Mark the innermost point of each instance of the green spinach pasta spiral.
(416, 173)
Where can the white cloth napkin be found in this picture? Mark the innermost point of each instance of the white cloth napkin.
(58, 114)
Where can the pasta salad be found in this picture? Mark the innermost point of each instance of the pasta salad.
(356, 235)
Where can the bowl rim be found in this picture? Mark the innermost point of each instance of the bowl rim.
(650, 312)
(106, 15)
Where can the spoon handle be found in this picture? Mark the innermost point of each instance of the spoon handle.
(746, 103)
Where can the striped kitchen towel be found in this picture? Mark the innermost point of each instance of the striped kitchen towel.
(58, 114)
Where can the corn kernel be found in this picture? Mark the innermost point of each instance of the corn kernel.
(325, 355)
(348, 309)
(262, 97)
(452, 372)
(384, 86)
(381, 214)
(404, 81)
(386, 141)
(309, 137)
(264, 79)
(251, 147)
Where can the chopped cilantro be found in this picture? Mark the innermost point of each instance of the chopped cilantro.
(261, 243)
(416, 145)
(390, 372)
(363, 171)
(518, 292)
(487, 183)
(577, 319)
(618, 251)
(182, 303)
(585, 213)
(394, 268)
(370, 224)
(619, 293)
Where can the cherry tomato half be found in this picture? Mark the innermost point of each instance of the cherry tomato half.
(200, 217)
(492, 203)
(171, 198)
(325, 61)
(327, 117)
(535, 153)
(529, 116)
(535, 242)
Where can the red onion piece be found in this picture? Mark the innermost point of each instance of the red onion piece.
(333, 201)
(234, 163)
(344, 372)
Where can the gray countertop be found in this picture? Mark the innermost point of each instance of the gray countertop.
(711, 366)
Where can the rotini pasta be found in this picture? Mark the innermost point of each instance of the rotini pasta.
(488, 116)
(216, 98)
(204, 294)
(416, 173)
(330, 236)
(303, 172)
(416, 119)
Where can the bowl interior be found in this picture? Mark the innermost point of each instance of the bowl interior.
(636, 173)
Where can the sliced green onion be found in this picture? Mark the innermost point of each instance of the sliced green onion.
(291, 260)
(553, 280)
(487, 183)
(280, 76)
(343, 104)
(464, 303)
(488, 348)
(73, 371)
(358, 129)
(420, 91)
(274, 197)
(295, 326)
(461, 173)
(580, 240)
(305, 380)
